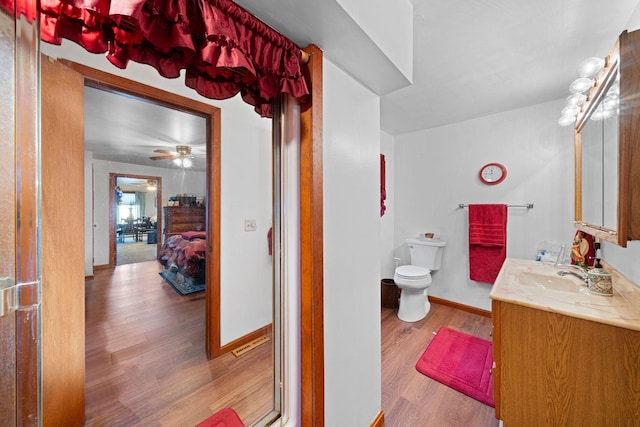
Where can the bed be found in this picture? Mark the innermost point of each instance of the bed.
(184, 254)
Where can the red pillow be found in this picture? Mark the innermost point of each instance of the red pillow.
(190, 235)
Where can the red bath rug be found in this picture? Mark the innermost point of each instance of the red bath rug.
(460, 361)
(226, 417)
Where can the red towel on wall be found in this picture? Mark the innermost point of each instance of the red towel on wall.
(487, 241)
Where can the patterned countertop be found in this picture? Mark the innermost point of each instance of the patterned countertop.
(518, 280)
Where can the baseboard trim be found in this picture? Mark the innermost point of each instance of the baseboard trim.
(265, 330)
(378, 421)
(89, 277)
(467, 308)
(102, 267)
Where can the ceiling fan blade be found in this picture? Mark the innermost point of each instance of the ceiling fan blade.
(168, 156)
(160, 150)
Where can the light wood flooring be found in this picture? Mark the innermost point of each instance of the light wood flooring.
(146, 362)
(145, 356)
(411, 399)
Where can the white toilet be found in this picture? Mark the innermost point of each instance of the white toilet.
(414, 279)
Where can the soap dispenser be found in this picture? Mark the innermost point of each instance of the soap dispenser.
(599, 280)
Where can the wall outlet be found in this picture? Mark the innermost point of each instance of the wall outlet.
(250, 225)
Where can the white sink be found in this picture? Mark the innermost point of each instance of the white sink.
(555, 282)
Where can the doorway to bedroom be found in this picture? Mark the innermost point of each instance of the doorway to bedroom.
(247, 220)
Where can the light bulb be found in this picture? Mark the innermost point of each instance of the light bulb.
(570, 110)
(186, 163)
(610, 102)
(576, 99)
(177, 161)
(597, 115)
(581, 84)
(566, 121)
(590, 67)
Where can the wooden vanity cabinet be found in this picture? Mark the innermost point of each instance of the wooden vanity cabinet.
(557, 370)
(179, 219)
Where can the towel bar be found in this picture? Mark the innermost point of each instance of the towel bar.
(524, 205)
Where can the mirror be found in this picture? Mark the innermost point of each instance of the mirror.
(607, 148)
(599, 139)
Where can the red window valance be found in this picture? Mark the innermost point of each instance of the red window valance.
(223, 49)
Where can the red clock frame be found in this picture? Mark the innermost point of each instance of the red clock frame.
(497, 181)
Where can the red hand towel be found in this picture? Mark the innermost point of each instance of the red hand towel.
(487, 241)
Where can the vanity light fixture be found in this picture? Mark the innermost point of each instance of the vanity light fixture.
(579, 88)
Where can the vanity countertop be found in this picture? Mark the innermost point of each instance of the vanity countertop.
(622, 309)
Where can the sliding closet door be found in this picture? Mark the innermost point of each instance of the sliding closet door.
(63, 352)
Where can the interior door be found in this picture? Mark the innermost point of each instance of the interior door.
(62, 181)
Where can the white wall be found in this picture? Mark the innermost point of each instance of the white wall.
(245, 263)
(437, 169)
(88, 214)
(351, 256)
(376, 17)
(387, 222)
(245, 292)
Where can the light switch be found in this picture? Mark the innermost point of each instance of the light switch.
(250, 225)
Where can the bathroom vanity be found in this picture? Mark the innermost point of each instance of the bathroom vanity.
(564, 356)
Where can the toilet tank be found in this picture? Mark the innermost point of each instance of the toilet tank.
(426, 252)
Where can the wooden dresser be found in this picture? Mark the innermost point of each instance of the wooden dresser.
(178, 219)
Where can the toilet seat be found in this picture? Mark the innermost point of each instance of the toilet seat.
(412, 272)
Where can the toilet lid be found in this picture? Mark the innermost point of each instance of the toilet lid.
(412, 272)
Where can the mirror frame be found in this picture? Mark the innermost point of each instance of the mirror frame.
(625, 60)
(603, 81)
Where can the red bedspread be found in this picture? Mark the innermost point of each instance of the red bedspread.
(185, 255)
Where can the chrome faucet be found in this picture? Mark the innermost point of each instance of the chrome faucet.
(562, 256)
(582, 277)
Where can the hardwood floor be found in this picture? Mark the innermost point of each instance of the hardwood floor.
(410, 399)
(145, 356)
(146, 362)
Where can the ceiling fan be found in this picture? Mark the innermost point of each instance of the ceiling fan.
(181, 157)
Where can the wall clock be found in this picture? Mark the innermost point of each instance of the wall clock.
(493, 173)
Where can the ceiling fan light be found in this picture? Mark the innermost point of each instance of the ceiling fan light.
(581, 84)
(186, 163)
(177, 161)
(590, 67)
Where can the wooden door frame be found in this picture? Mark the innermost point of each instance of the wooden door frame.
(113, 254)
(312, 249)
(110, 82)
(311, 222)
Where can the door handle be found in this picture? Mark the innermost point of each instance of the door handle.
(7, 296)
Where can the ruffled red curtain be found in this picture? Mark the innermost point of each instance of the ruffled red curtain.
(223, 49)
